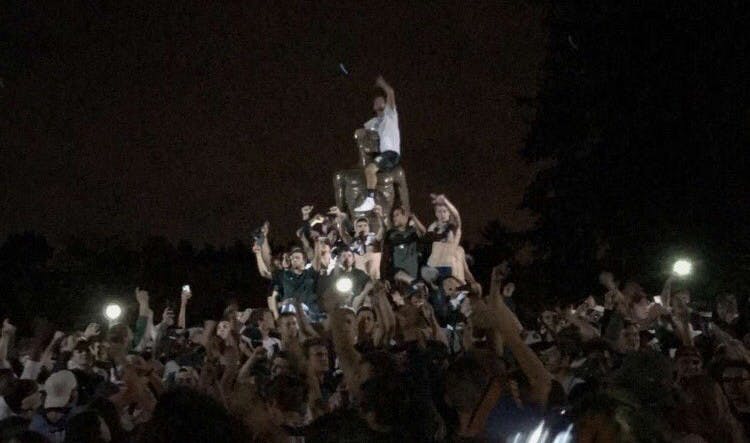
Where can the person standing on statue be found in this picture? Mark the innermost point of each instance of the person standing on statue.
(386, 125)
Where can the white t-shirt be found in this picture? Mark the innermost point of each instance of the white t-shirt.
(269, 344)
(387, 127)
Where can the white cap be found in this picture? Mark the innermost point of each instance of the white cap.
(59, 387)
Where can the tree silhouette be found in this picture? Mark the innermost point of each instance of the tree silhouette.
(644, 115)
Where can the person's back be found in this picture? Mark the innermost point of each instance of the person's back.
(185, 415)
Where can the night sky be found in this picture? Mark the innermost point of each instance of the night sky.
(198, 120)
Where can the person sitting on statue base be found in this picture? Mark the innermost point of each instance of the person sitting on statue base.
(389, 155)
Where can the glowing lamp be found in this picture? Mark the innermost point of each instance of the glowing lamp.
(682, 268)
(112, 311)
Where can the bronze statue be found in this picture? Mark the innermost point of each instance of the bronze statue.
(350, 187)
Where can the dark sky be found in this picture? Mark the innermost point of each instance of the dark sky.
(200, 119)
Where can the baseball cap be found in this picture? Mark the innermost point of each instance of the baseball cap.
(59, 387)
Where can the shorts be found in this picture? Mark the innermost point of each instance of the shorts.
(386, 161)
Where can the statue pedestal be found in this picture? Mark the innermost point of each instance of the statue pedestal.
(350, 190)
(350, 186)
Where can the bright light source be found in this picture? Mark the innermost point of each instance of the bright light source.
(682, 268)
(113, 311)
(344, 284)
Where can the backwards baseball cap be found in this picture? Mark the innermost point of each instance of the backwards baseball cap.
(59, 387)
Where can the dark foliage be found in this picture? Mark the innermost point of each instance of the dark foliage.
(644, 116)
(74, 282)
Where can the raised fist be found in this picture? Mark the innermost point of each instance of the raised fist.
(8, 328)
(437, 199)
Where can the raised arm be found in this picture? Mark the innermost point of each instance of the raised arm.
(378, 211)
(317, 262)
(390, 95)
(588, 332)
(613, 299)
(442, 200)
(386, 324)
(500, 318)
(496, 290)
(349, 358)
(341, 218)
(666, 292)
(305, 327)
(263, 267)
(359, 300)
(160, 332)
(182, 316)
(6, 341)
(421, 230)
(304, 231)
(265, 245)
(681, 321)
(273, 304)
(145, 316)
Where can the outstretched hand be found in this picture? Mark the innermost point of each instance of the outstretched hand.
(92, 330)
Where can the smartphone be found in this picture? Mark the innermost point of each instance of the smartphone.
(657, 299)
(186, 288)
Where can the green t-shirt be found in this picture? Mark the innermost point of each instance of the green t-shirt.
(404, 255)
(299, 287)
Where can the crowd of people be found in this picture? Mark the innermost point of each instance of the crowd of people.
(376, 330)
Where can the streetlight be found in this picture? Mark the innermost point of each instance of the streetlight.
(112, 311)
(682, 268)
